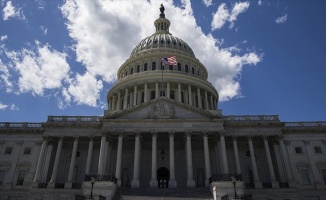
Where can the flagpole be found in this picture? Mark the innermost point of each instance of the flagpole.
(162, 78)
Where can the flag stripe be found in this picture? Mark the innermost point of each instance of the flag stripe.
(170, 61)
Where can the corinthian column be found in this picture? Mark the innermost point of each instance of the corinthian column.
(236, 155)
(153, 183)
(37, 177)
(207, 160)
(119, 157)
(102, 154)
(270, 163)
(172, 181)
(258, 184)
(190, 179)
(224, 157)
(68, 184)
(89, 155)
(135, 181)
(55, 165)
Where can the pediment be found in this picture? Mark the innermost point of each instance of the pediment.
(162, 108)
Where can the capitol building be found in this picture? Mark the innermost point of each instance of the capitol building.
(163, 136)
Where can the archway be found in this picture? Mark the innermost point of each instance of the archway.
(163, 176)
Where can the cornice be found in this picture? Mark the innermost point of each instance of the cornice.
(21, 131)
(72, 125)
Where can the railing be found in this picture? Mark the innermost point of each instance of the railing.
(305, 124)
(284, 185)
(101, 177)
(250, 185)
(224, 177)
(20, 125)
(42, 185)
(252, 118)
(73, 119)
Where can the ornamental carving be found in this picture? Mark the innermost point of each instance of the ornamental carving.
(171, 133)
(162, 111)
(137, 133)
(154, 133)
(205, 133)
(188, 133)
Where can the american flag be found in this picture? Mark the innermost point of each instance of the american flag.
(170, 61)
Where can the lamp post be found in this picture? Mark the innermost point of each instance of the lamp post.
(92, 182)
(234, 181)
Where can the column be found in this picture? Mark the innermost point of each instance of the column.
(102, 154)
(207, 158)
(190, 95)
(135, 95)
(145, 93)
(119, 156)
(157, 94)
(113, 103)
(153, 183)
(206, 101)
(131, 100)
(172, 181)
(168, 90)
(105, 159)
(119, 101)
(270, 163)
(68, 184)
(224, 157)
(135, 181)
(212, 106)
(37, 176)
(286, 161)
(179, 92)
(199, 98)
(47, 159)
(139, 100)
(236, 154)
(89, 155)
(51, 184)
(257, 182)
(125, 100)
(190, 179)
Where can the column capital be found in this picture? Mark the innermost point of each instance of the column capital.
(234, 137)
(105, 133)
(121, 133)
(306, 142)
(171, 133)
(265, 137)
(287, 142)
(137, 133)
(250, 137)
(91, 137)
(188, 133)
(39, 142)
(76, 137)
(154, 133)
(280, 137)
(20, 142)
(205, 133)
(221, 132)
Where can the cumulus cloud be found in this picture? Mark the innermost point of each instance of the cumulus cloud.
(120, 25)
(44, 30)
(207, 2)
(3, 106)
(10, 11)
(282, 19)
(260, 2)
(3, 37)
(13, 107)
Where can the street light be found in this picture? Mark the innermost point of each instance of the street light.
(92, 182)
(234, 181)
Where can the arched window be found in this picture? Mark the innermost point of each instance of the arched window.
(152, 94)
(131, 71)
(172, 95)
(186, 68)
(138, 68)
(193, 70)
(197, 72)
(170, 67)
(145, 67)
(153, 65)
(179, 67)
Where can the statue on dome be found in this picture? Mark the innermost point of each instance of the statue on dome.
(162, 15)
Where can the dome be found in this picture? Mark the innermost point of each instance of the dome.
(162, 40)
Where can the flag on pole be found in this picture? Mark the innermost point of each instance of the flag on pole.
(170, 61)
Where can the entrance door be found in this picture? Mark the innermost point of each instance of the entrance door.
(163, 176)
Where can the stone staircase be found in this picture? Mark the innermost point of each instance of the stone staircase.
(163, 194)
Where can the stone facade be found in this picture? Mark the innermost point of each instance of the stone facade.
(169, 135)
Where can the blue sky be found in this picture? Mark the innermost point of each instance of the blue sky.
(263, 56)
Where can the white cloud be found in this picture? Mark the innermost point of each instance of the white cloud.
(44, 29)
(223, 14)
(3, 106)
(13, 107)
(207, 2)
(5, 77)
(260, 2)
(282, 19)
(39, 69)
(3, 37)
(10, 11)
(103, 46)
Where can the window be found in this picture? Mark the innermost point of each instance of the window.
(131, 71)
(179, 67)
(145, 67)
(2, 176)
(323, 173)
(172, 94)
(153, 65)
(186, 68)
(21, 177)
(27, 150)
(152, 94)
(305, 177)
(192, 70)
(182, 97)
(318, 150)
(138, 68)
(8, 150)
(197, 72)
(298, 150)
(126, 73)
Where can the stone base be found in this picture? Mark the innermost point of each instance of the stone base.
(106, 189)
(68, 185)
(275, 184)
(51, 185)
(153, 184)
(172, 184)
(191, 184)
(134, 184)
(222, 188)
